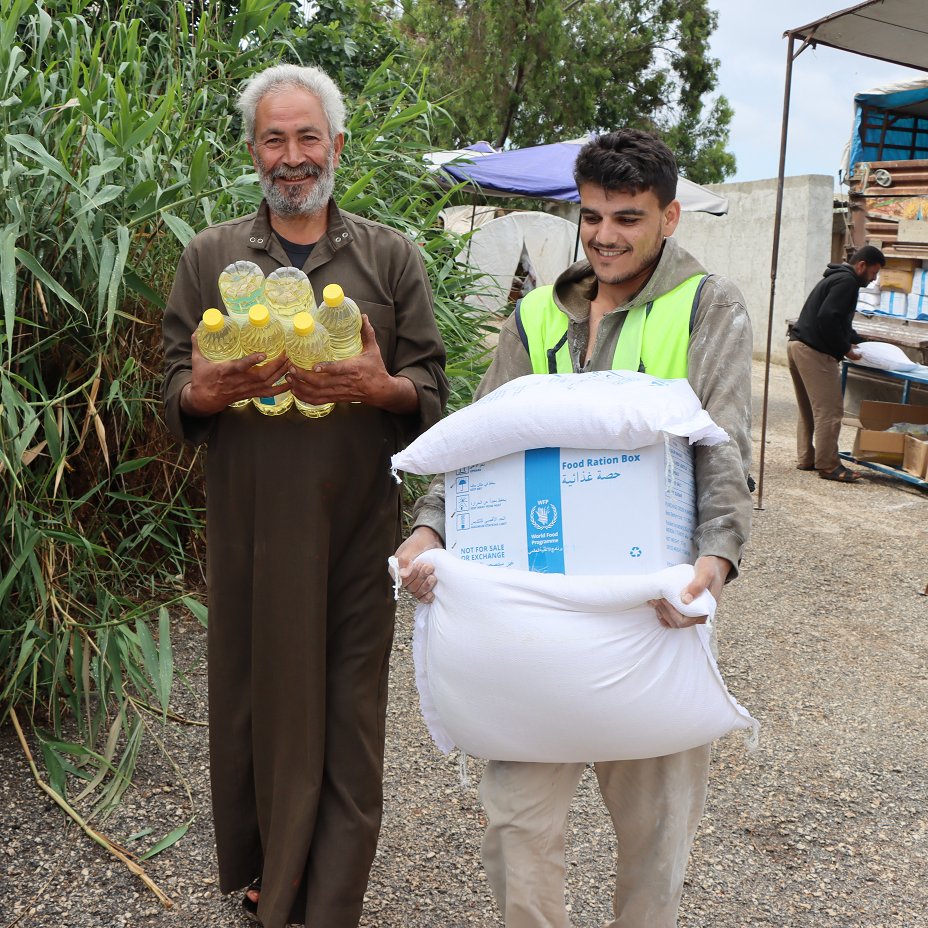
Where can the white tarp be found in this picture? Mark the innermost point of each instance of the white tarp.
(543, 243)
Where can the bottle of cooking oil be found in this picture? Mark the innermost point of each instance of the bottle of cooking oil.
(287, 291)
(241, 286)
(308, 344)
(265, 334)
(342, 320)
(218, 338)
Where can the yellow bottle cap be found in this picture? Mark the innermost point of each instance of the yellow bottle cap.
(303, 324)
(259, 315)
(212, 320)
(333, 295)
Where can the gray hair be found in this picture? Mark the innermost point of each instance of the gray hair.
(281, 76)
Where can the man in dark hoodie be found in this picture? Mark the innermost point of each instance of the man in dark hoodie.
(822, 336)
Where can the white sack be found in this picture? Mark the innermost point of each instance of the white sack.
(513, 665)
(919, 281)
(884, 356)
(917, 306)
(868, 296)
(893, 303)
(616, 410)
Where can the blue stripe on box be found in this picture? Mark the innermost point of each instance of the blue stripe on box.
(544, 526)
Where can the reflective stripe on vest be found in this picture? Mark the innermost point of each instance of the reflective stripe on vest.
(654, 338)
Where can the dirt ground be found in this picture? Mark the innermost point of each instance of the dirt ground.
(824, 638)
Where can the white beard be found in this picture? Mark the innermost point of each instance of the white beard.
(293, 202)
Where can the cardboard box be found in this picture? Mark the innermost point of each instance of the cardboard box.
(575, 511)
(915, 456)
(873, 442)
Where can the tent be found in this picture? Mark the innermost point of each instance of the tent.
(529, 244)
(546, 172)
(538, 243)
(890, 30)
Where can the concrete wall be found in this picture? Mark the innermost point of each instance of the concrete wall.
(739, 245)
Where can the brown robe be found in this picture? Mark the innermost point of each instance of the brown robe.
(301, 517)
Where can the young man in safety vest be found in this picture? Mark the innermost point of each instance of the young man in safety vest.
(639, 302)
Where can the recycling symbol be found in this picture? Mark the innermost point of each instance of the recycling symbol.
(635, 552)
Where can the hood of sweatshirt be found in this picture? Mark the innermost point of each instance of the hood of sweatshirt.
(833, 269)
(576, 286)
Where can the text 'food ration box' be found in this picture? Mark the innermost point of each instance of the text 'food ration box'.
(573, 511)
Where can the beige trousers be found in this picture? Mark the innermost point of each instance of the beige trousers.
(817, 382)
(655, 806)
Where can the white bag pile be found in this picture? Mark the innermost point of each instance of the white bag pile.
(514, 665)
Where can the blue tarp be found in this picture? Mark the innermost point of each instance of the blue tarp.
(547, 172)
(891, 120)
(544, 171)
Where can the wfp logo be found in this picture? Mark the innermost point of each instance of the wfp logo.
(543, 515)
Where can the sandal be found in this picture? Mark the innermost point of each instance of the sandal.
(841, 474)
(249, 905)
(802, 467)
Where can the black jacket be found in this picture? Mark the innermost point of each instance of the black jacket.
(825, 321)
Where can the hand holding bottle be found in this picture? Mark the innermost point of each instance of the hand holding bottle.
(215, 385)
(361, 379)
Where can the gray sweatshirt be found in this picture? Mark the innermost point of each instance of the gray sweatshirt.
(719, 371)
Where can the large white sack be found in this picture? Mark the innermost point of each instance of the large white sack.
(884, 356)
(513, 665)
(616, 410)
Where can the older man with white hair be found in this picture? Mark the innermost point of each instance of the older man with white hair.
(301, 516)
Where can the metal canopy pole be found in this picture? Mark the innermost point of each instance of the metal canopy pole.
(773, 260)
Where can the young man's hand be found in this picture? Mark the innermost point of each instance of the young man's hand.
(419, 578)
(710, 575)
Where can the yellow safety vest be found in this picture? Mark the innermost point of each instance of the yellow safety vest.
(654, 338)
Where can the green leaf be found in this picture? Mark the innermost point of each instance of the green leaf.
(56, 775)
(167, 841)
(150, 658)
(347, 199)
(135, 464)
(137, 285)
(141, 191)
(167, 659)
(180, 228)
(8, 282)
(18, 562)
(199, 168)
(104, 273)
(112, 290)
(197, 609)
(96, 201)
(36, 269)
(32, 148)
(51, 434)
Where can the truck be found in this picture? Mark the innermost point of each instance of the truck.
(886, 171)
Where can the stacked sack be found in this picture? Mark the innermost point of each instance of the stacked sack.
(900, 291)
(895, 282)
(544, 666)
(917, 307)
(868, 299)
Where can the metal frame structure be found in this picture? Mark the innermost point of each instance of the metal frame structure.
(889, 30)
